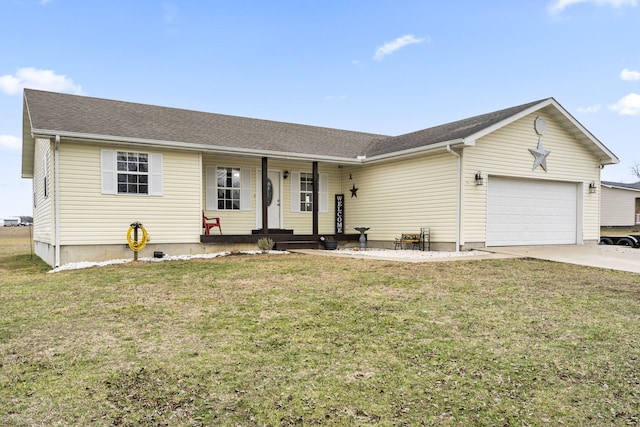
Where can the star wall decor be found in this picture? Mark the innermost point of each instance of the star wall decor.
(541, 156)
(539, 153)
(354, 191)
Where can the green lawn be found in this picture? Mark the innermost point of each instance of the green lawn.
(269, 340)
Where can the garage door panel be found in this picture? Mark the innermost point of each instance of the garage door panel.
(530, 212)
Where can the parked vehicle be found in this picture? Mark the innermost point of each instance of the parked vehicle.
(632, 240)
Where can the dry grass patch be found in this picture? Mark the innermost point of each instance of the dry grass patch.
(298, 340)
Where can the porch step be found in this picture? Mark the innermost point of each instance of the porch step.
(297, 244)
(273, 231)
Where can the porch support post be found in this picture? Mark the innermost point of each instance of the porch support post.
(316, 197)
(265, 177)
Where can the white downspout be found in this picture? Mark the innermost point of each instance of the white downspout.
(458, 196)
(56, 173)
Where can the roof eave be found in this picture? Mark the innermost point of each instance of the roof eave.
(398, 155)
(28, 142)
(203, 148)
(490, 129)
(606, 157)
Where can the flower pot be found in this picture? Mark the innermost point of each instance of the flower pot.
(330, 245)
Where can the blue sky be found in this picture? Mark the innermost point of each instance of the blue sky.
(377, 66)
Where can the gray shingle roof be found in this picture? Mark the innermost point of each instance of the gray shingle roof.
(70, 114)
(51, 113)
(448, 132)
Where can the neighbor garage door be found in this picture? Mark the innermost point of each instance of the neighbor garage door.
(529, 212)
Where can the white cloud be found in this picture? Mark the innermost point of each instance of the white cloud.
(628, 105)
(45, 2)
(558, 6)
(10, 142)
(630, 75)
(390, 47)
(589, 109)
(37, 79)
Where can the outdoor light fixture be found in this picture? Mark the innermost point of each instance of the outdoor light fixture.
(286, 174)
(479, 178)
(592, 187)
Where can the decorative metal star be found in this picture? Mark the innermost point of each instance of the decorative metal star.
(541, 156)
(354, 191)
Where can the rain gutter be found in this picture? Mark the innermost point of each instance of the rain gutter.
(397, 155)
(202, 148)
(56, 173)
(458, 197)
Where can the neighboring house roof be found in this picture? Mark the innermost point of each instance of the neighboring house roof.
(620, 185)
(49, 114)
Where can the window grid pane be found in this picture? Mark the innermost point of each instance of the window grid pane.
(228, 188)
(306, 192)
(133, 173)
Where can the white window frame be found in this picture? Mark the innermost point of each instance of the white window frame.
(211, 188)
(109, 173)
(45, 174)
(305, 199)
(323, 193)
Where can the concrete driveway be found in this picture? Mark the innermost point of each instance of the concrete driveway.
(603, 256)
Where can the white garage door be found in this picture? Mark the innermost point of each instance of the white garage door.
(529, 212)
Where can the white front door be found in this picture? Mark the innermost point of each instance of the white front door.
(273, 199)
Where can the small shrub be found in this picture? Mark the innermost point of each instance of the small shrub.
(266, 243)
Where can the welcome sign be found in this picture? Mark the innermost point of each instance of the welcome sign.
(339, 213)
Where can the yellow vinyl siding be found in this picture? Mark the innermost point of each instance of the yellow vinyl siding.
(90, 217)
(242, 222)
(232, 221)
(402, 196)
(302, 222)
(505, 152)
(43, 211)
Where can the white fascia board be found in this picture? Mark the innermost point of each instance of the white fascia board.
(28, 143)
(509, 120)
(187, 146)
(396, 155)
(608, 159)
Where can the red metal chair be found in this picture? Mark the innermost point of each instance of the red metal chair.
(209, 223)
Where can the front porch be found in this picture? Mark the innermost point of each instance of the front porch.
(284, 239)
(283, 195)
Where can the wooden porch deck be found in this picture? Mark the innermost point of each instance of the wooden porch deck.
(284, 239)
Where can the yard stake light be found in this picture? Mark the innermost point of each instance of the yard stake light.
(137, 244)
